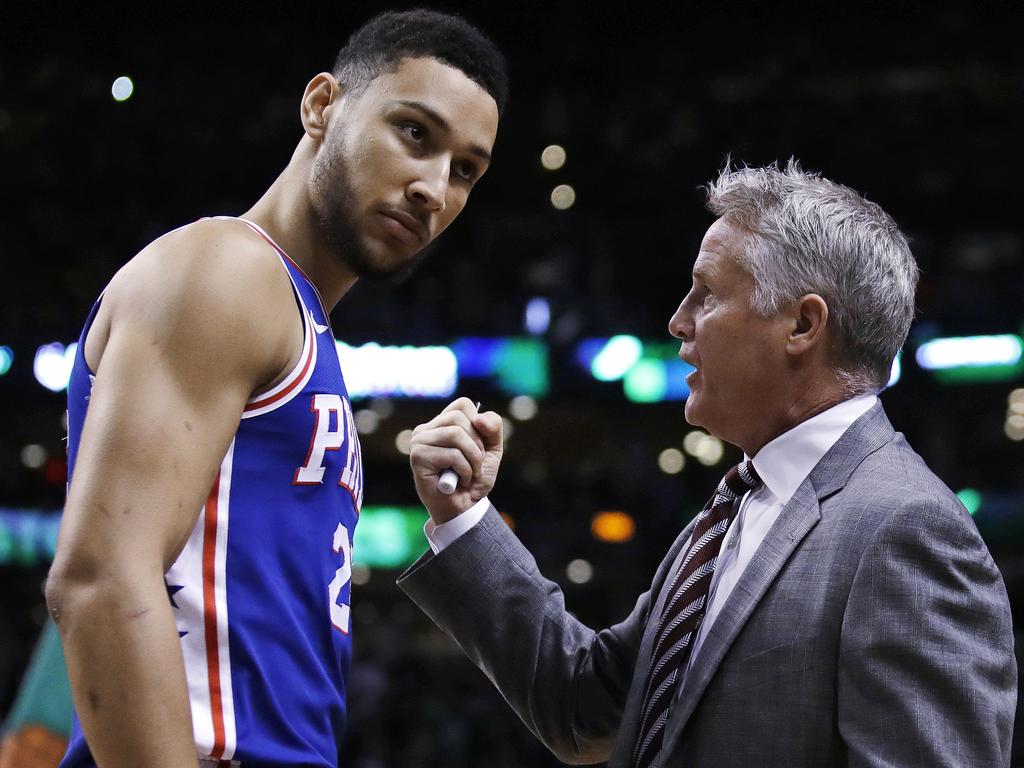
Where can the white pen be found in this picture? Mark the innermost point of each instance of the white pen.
(448, 480)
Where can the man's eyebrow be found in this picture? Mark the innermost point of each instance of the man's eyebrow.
(443, 125)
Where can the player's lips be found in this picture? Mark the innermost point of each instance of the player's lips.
(404, 226)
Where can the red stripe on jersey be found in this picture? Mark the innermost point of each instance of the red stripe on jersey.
(291, 387)
(210, 618)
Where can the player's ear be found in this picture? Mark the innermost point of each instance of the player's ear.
(322, 91)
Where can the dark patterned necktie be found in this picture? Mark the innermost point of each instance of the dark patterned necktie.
(684, 609)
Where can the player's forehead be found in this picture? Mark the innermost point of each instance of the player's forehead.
(442, 90)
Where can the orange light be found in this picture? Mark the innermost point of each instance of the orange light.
(508, 520)
(614, 527)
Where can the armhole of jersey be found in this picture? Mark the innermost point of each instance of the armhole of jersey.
(292, 384)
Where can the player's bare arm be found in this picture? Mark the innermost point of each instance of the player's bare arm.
(186, 332)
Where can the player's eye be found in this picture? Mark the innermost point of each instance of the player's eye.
(413, 131)
(466, 170)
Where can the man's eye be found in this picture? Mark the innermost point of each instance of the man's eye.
(466, 170)
(414, 131)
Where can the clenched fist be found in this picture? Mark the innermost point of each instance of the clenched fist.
(465, 441)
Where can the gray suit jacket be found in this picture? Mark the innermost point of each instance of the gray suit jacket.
(871, 628)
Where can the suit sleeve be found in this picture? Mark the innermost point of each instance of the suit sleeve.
(566, 682)
(927, 675)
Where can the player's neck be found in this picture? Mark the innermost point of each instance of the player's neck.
(284, 212)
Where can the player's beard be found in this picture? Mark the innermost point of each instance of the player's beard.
(334, 202)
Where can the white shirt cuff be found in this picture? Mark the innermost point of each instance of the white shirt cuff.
(440, 536)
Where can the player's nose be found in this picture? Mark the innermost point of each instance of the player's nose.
(430, 187)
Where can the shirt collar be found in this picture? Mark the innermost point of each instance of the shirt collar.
(789, 458)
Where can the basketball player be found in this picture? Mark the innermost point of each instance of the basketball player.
(201, 583)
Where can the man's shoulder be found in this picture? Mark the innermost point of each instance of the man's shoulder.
(893, 486)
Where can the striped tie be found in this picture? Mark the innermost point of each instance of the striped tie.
(684, 609)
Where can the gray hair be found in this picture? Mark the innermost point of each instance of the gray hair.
(810, 235)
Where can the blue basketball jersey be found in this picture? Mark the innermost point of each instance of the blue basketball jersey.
(261, 590)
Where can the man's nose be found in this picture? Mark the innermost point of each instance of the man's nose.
(680, 324)
(430, 189)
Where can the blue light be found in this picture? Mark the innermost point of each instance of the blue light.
(6, 359)
(538, 316)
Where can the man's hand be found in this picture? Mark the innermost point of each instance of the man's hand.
(465, 441)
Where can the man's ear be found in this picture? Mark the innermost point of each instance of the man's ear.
(321, 92)
(810, 316)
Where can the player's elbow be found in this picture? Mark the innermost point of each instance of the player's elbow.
(79, 583)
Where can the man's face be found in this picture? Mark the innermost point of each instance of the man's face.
(398, 162)
(739, 356)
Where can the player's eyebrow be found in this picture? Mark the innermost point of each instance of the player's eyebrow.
(438, 120)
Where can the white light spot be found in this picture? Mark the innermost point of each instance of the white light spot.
(616, 358)
(953, 352)
(692, 441)
(402, 441)
(1015, 427)
(52, 365)
(360, 574)
(562, 197)
(33, 456)
(367, 421)
(553, 157)
(122, 88)
(507, 428)
(579, 571)
(671, 461)
(522, 407)
(710, 451)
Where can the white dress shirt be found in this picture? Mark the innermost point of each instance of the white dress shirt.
(782, 464)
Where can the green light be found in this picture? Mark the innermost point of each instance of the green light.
(522, 367)
(970, 498)
(389, 537)
(645, 382)
(6, 359)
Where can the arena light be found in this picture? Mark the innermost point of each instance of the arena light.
(372, 370)
(645, 382)
(388, 537)
(6, 359)
(522, 407)
(122, 88)
(28, 537)
(518, 365)
(537, 317)
(619, 354)
(970, 498)
(896, 371)
(613, 527)
(671, 461)
(553, 157)
(52, 365)
(968, 359)
(579, 571)
(563, 197)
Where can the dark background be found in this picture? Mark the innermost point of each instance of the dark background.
(918, 106)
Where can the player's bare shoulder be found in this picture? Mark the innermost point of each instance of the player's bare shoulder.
(211, 290)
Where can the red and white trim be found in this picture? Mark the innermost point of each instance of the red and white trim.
(201, 569)
(293, 383)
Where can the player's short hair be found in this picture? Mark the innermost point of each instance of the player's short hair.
(381, 43)
(807, 234)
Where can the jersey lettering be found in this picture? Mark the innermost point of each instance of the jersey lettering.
(324, 438)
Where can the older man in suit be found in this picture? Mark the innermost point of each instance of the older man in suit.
(833, 605)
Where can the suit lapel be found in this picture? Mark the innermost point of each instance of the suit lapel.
(795, 521)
